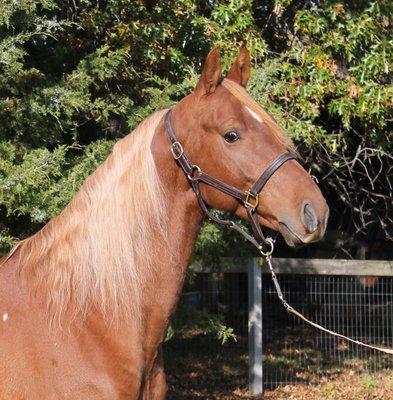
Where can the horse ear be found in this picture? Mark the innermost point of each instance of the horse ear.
(241, 69)
(211, 73)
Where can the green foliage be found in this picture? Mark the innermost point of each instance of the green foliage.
(75, 76)
(190, 321)
(39, 183)
(337, 69)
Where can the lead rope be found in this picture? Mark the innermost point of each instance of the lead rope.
(293, 311)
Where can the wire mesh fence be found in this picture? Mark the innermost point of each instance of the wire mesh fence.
(357, 306)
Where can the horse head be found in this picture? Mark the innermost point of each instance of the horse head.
(230, 137)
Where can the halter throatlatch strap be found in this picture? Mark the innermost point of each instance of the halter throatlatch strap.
(250, 200)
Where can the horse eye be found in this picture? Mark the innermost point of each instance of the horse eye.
(231, 136)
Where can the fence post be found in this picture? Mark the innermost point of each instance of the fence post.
(255, 327)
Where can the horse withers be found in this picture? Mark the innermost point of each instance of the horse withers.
(86, 301)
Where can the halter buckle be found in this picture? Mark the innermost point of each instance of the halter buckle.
(252, 205)
(177, 150)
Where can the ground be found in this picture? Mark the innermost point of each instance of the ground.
(347, 385)
(199, 368)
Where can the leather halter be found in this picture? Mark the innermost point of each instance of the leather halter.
(249, 198)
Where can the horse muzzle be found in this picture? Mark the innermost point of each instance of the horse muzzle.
(308, 227)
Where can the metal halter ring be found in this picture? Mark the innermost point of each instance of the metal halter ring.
(195, 174)
(177, 150)
(270, 251)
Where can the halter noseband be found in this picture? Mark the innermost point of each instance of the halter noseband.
(249, 198)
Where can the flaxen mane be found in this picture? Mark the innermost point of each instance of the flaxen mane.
(101, 244)
(99, 250)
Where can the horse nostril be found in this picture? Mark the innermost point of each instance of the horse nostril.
(309, 217)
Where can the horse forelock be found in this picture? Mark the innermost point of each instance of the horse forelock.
(102, 247)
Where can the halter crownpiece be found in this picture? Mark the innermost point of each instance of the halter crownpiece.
(249, 198)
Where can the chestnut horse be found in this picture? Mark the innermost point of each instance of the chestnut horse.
(86, 301)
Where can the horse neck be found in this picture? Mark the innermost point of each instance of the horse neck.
(184, 213)
(161, 291)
